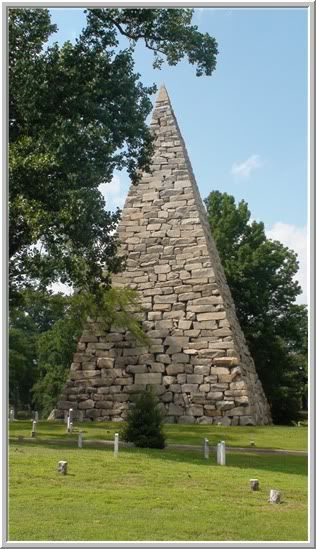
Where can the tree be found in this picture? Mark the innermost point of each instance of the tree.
(37, 315)
(43, 335)
(144, 422)
(260, 273)
(77, 113)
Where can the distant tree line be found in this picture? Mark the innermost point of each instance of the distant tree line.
(260, 273)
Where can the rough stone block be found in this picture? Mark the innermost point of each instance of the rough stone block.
(226, 361)
(195, 411)
(168, 380)
(239, 411)
(159, 269)
(174, 410)
(216, 370)
(242, 400)
(186, 419)
(202, 370)
(189, 387)
(148, 379)
(174, 369)
(194, 378)
(167, 397)
(157, 367)
(86, 404)
(123, 381)
(225, 405)
(204, 387)
(215, 395)
(105, 362)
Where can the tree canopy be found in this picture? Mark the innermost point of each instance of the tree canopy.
(260, 273)
(77, 112)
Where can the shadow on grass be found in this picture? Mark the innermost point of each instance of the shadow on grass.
(57, 430)
(272, 437)
(296, 465)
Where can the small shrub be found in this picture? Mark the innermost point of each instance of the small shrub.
(144, 422)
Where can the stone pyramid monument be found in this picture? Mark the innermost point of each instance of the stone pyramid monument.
(198, 361)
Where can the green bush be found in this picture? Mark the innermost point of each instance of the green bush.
(144, 422)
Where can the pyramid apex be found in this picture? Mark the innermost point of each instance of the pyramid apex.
(162, 94)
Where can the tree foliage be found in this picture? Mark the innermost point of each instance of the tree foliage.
(77, 112)
(260, 273)
(144, 422)
(43, 337)
(37, 315)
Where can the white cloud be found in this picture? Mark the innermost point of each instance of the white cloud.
(295, 238)
(113, 192)
(244, 169)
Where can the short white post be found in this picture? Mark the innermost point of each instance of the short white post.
(80, 437)
(33, 434)
(12, 414)
(206, 449)
(36, 416)
(221, 453)
(70, 420)
(116, 444)
(218, 453)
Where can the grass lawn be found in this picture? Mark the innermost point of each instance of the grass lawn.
(154, 495)
(287, 438)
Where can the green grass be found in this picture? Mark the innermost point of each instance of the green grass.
(279, 437)
(153, 495)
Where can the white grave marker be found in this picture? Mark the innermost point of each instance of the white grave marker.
(12, 414)
(36, 416)
(275, 496)
(221, 453)
(116, 444)
(254, 484)
(62, 467)
(33, 434)
(80, 437)
(206, 449)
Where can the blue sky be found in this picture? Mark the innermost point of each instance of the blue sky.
(245, 127)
